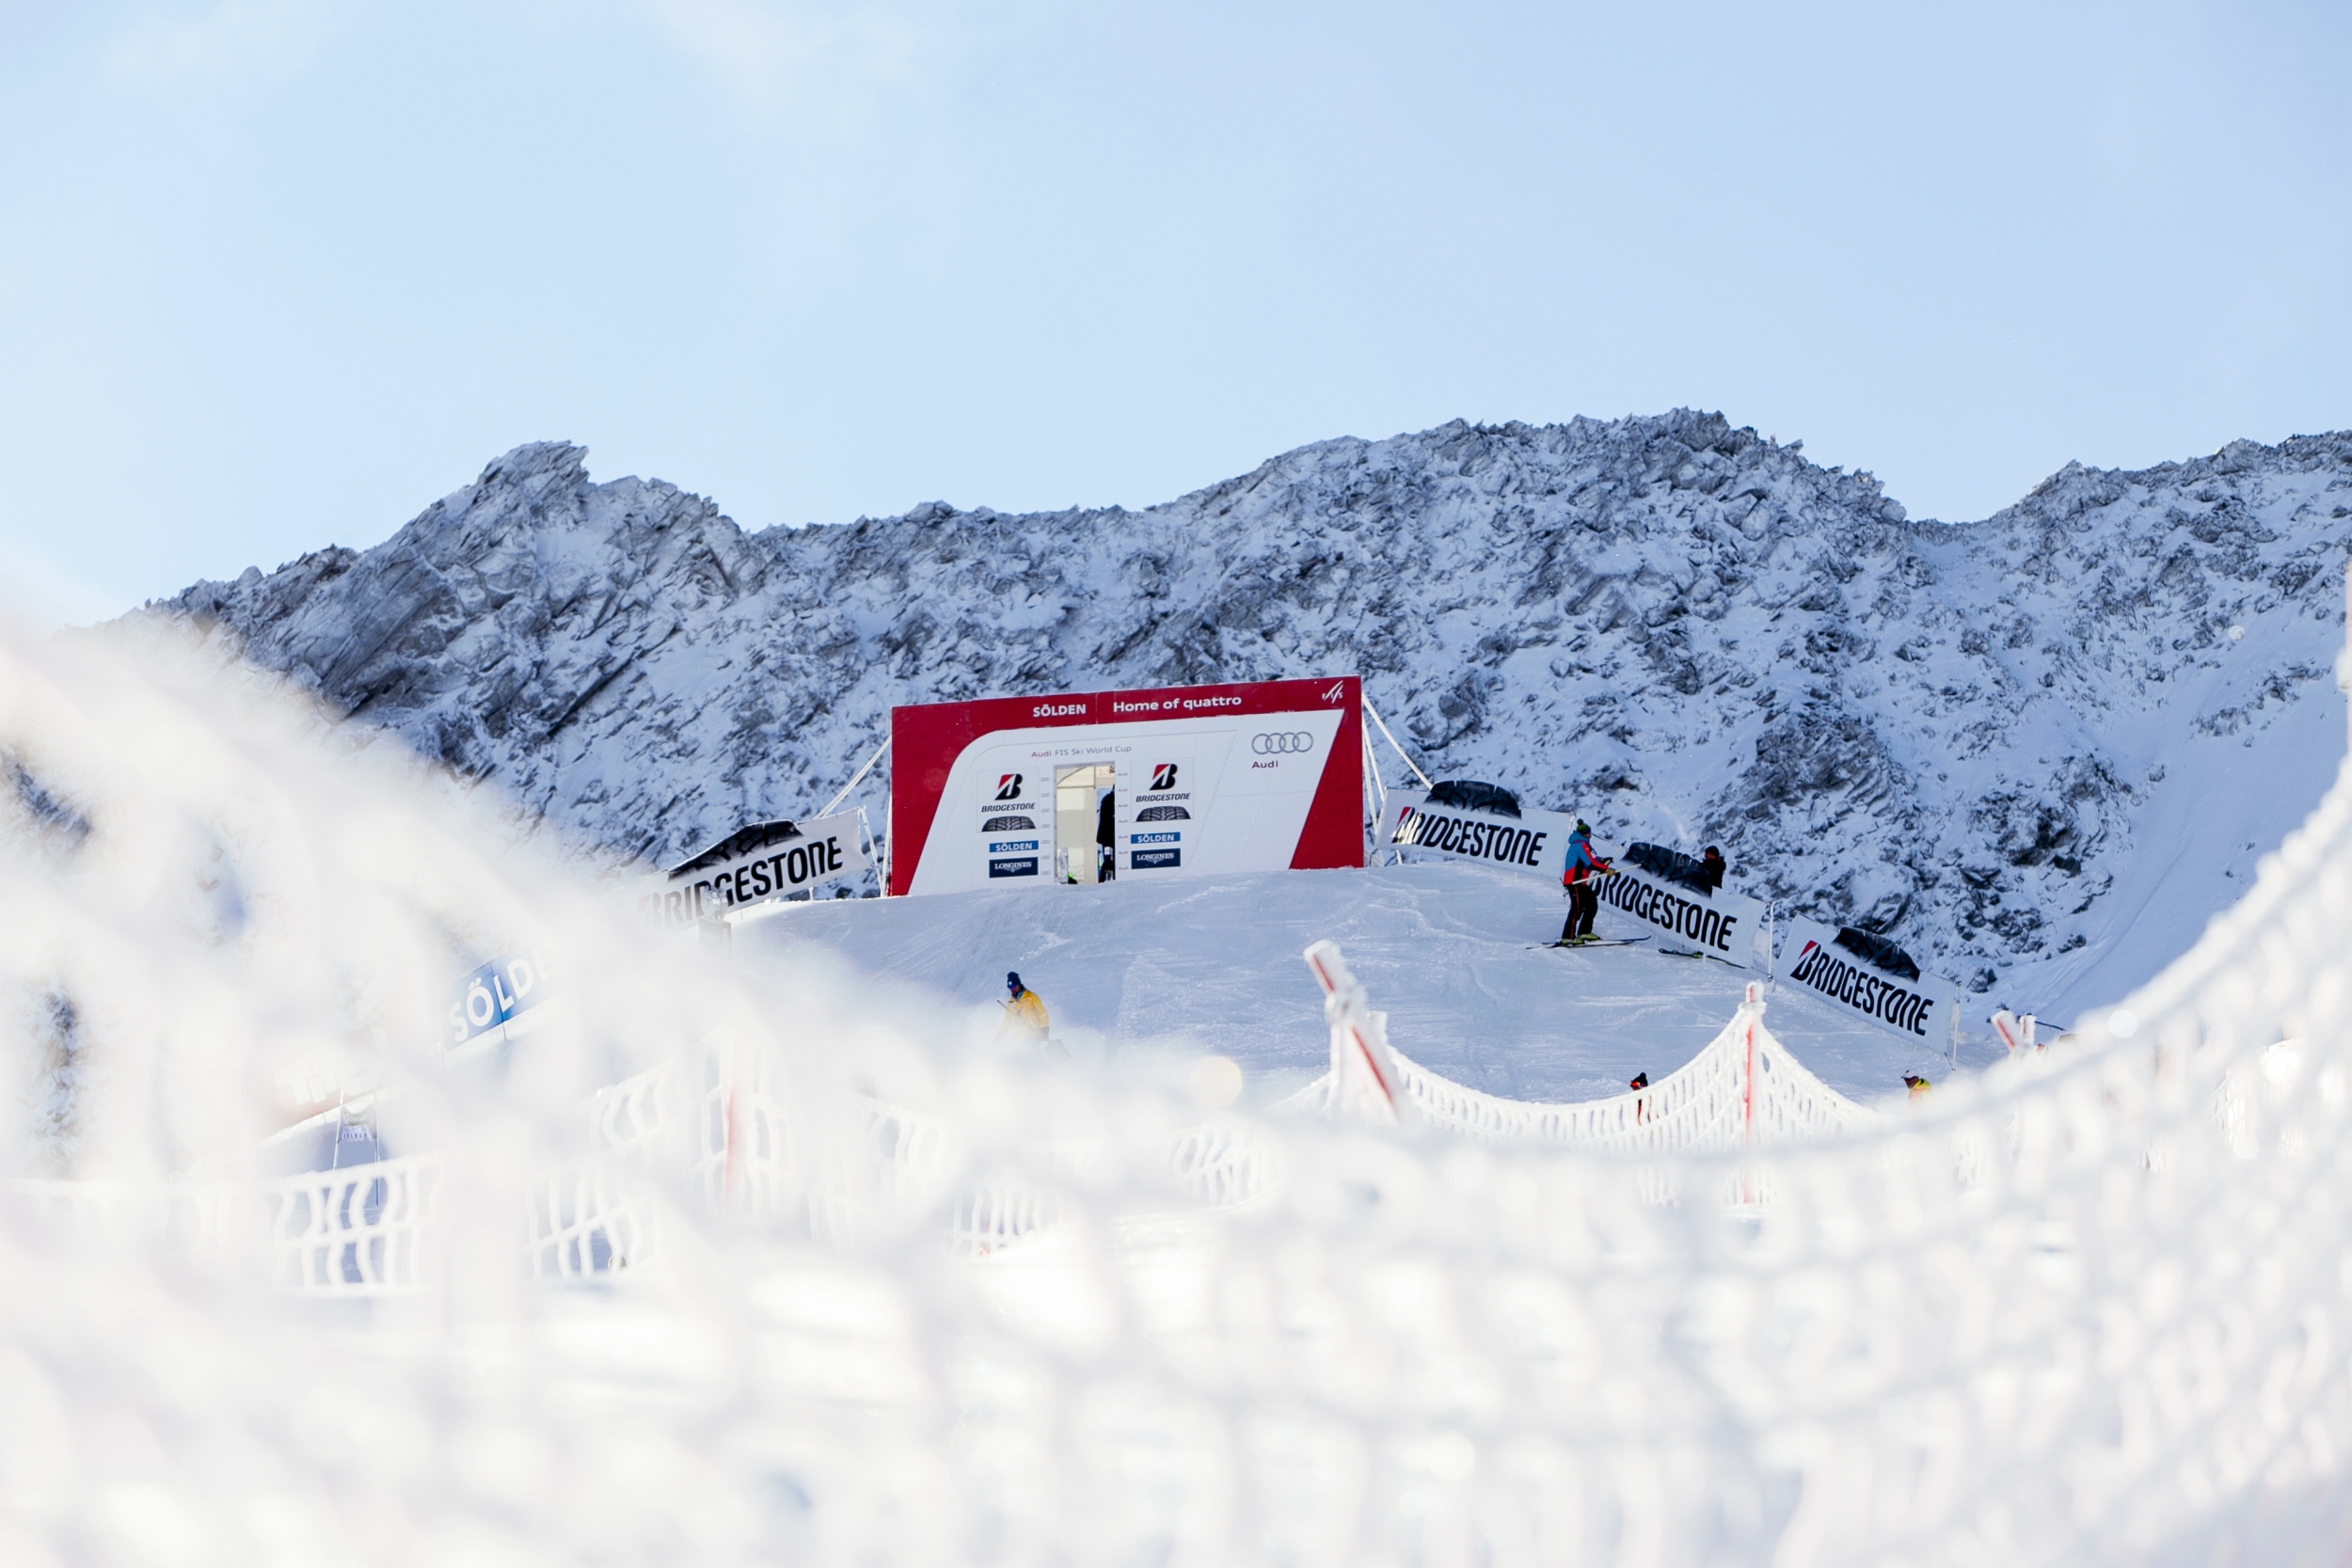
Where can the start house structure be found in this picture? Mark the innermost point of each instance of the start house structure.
(1085, 787)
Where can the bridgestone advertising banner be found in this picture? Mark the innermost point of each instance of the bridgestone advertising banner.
(1533, 842)
(1155, 785)
(1718, 921)
(1811, 960)
(1722, 924)
(766, 860)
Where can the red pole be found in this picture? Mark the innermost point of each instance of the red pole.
(1379, 1079)
(1747, 1109)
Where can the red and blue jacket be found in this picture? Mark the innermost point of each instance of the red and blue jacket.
(1582, 863)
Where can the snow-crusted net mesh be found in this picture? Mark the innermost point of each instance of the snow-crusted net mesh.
(1742, 1089)
(729, 1266)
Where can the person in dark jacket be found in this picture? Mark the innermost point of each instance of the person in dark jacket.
(1107, 837)
(1582, 868)
(1711, 868)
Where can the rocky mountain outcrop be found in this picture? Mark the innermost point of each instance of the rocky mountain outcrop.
(1954, 734)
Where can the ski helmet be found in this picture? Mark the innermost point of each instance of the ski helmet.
(1012, 980)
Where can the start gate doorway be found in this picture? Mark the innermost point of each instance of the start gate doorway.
(1084, 808)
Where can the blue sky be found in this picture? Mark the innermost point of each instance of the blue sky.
(279, 273)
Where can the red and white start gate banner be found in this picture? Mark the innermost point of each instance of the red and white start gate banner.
(1085, 787)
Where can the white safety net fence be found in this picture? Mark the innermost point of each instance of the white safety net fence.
(730, 1265)
(1741, 1089)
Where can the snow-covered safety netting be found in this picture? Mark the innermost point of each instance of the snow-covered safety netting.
(1742, 1089)
(2092, 1308)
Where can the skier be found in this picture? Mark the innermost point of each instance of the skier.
(1641, 1106)
(1918, 1085)
(1024, 1013)
(1711, 869)
(1577, 877)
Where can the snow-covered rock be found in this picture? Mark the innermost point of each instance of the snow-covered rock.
(2039, 749)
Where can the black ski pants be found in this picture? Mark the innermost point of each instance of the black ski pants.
(1583, 904)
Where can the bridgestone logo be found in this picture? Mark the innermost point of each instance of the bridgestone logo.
(782, 872)
(1684, 917)
(1455, 835)
(1865, 993)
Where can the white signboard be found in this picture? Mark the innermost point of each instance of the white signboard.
(758, 863)
(1191, 795)
(1535, 842)
(1719, 923)
(1811, 958)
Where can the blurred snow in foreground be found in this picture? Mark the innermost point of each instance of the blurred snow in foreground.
(767, 1263)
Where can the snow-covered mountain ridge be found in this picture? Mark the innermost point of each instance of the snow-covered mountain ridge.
(2039, 750)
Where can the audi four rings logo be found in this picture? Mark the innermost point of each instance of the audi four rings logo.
(1267, 745)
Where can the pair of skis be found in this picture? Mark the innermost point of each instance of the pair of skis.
(1693, 953)
(1591, 941)
(1628, 942)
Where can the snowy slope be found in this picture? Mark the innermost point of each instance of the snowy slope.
(2029, 747)
(1143, 967)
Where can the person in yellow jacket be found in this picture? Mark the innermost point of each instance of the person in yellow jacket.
(1024, 1012)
